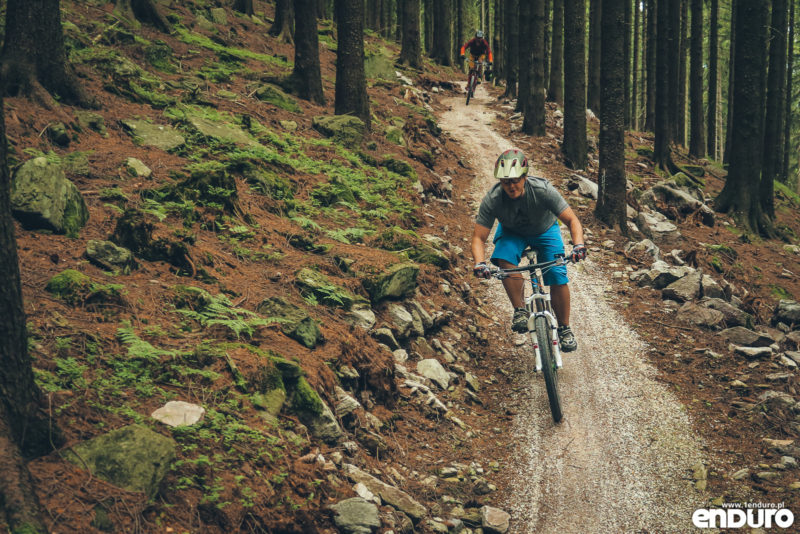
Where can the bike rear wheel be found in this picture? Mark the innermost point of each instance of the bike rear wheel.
(543, 334)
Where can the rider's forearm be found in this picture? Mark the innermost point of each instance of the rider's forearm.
(478, 250)
(576, 232)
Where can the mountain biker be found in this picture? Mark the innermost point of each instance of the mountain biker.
(478, 50)
(526, 208)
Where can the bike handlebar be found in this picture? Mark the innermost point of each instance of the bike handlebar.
(503, 273)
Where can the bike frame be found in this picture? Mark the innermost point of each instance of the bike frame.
(538, 305)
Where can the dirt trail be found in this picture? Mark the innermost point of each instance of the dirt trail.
(621, 460)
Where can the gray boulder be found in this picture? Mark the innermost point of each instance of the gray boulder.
(356, 516)
(389, 494)
(684, 289)
(433, 371)
(494, 520)
(402, 320)
(133, 458)
(655, 226)
(582, 185)
(694, 314)
(42, 198)
(788, 312)
(739, 335)
(733, 315)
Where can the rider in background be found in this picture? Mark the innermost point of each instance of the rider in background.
(478, 50)
(526, 208)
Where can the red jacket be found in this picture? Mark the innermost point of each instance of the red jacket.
(478, 47)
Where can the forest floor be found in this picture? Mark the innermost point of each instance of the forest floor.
(77, 349)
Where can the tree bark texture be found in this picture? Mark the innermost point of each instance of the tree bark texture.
(731, 80)
(429, 25)
(697, 142)
(244, 6)
(787, 135)
(679, 120)
(627, 65)
(443, 35)
(18, 391)
(34, 61)
(548, 38)
(574, 144)
(635, 92)
(411, 50)
(145, 11)
(740, 195)
(593, 90)
(511, 47)
(284, 21)
(556, 91)
(713, 78)
(611, 205)
(665, 76)
(650, 67)
(524, 64)
(773, 123)
(351, 82)
(534, 120)
(306, 75)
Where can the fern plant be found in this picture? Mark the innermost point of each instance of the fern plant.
(212, 310)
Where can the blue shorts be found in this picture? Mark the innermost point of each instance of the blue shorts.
(509, 246)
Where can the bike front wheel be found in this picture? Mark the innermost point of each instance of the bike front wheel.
(549, 370)
(470, 86)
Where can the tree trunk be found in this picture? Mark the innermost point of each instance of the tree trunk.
(679, 120)
(611, 204)
(650, 67)
(398, 29)
(497, 41)
(593, 90)
(713, 77)
(697, 142)
(351, 82)
(511, 47)
(556, 92)
(443, 35)
(731, 80)
(411, 52)
(548, 38)
(665, 74)
(787, 134)
(306, 77)
(19, 394)
(429, 25)
(534, 121)
(525, 47)
(34, 61)
(574, 145)
(627, 64)
(244, 6)
(284, 20)
(135, 11)
(740, 195)
(634, 102)
(773, 123)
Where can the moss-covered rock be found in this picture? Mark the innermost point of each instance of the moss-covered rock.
(399, 166)
(274, 95)
(209, 183)
(42, 198)
(158, 54)
(133, 458)
(395, 135)
(109, 256)
(399, 280)
(159, 136)
(343, 129)
(407, 241)
(70, 286)
(295, 321)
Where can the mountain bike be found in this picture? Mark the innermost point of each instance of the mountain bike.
(475, 73)
(542, 326)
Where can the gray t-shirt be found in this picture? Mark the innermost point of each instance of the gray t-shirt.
(531, 214)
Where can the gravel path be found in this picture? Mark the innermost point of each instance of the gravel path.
(621, 459)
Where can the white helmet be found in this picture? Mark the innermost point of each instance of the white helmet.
(511, 164)
(479, 34)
